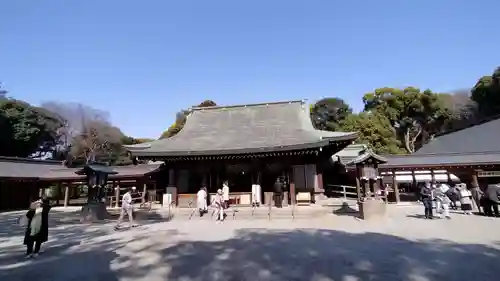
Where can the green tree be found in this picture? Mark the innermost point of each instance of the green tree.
(27, 130)
(486, 93)
(416, 116)
(327, 113)
(375, 130)
(180, 120)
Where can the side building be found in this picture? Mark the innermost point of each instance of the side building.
(23, 180)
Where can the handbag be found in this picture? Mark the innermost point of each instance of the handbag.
(23, 221)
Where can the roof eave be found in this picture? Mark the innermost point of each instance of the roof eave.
(318, 144)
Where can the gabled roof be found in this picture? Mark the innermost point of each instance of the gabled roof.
(366, 156)
(482, 138)
(239, 129)
(25, 168)
(349, 153)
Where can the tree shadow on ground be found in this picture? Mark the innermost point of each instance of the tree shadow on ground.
(263, 254)
(324, 255)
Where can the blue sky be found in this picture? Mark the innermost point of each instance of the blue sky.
(145, 60)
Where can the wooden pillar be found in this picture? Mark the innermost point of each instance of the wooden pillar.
(358, 184)
(172, 189)
(395, 187)
(414, 180)
(117, 195)
(293, 196)
(59, 191)
(144, 192)
(66, 195)
(320, 182)
(433, 177)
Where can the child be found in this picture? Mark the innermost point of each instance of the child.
(465, 199)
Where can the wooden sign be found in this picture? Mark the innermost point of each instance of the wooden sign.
(488, 174)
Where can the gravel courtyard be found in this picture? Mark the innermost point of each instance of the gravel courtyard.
(331, 247)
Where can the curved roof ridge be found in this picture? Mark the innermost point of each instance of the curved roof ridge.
(197, 108)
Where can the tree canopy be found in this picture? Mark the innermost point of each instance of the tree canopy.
(375, 130)
(415, 115)
(327, 113)
(486, 93)
(27, 130)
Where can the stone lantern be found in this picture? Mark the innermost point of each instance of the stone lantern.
(97, 178)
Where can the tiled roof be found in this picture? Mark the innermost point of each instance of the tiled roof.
(239, 129)
(439, 160)
(480, 138)
(349, 153)
(476, 145)
(22, 168)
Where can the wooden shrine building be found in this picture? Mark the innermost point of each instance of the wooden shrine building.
(246, 145)
(23, 180)
(472, 154)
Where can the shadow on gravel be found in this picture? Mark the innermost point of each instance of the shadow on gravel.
(261, 254)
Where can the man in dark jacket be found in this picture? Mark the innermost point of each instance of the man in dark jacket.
(492, 200)
(278, 193)
(426, 195)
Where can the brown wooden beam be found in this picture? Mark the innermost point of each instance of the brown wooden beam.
(395, 187)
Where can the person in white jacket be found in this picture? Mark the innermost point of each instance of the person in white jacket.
(127, 208)
(201, 201)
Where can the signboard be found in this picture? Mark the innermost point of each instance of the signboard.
(488, 174)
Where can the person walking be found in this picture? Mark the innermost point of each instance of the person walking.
(465, 199)
(426, 196)
(477, 194)
(37, 228)
(225, 194)
(442, 200)
(492, 200)
(126, 209)
(218, 203)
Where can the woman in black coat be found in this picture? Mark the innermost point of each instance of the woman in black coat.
(43, 235)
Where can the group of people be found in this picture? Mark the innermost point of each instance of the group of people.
(220, 201)
(489, 199)
(446, 197)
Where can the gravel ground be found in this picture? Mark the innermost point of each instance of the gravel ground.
(332, 247)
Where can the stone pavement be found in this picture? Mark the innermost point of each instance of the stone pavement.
(331, 247)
